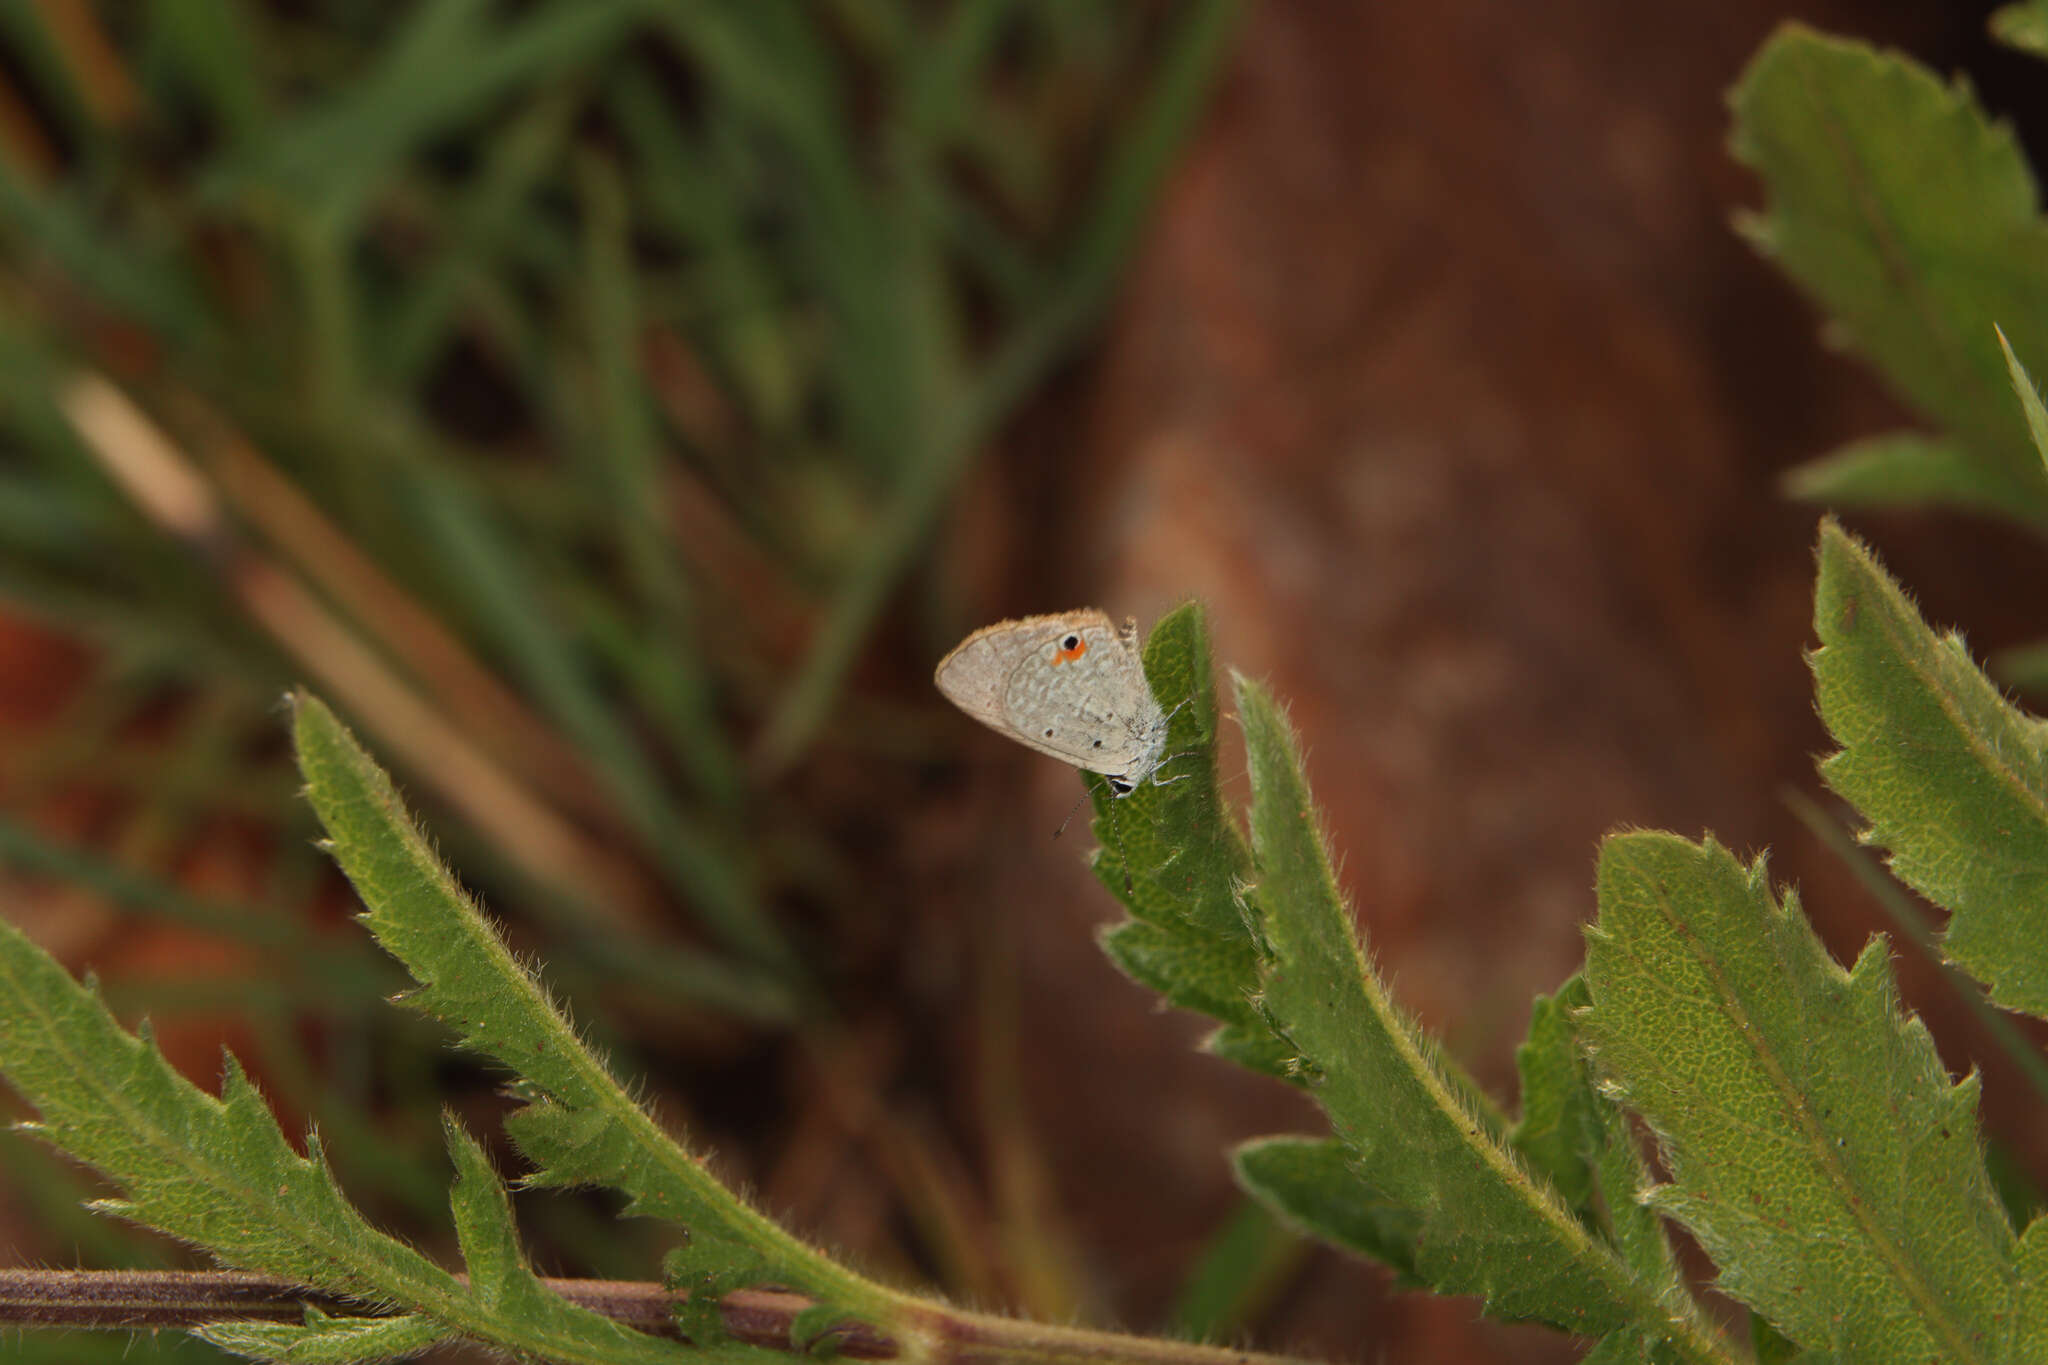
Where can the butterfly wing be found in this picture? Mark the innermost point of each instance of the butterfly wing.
(1072, 686)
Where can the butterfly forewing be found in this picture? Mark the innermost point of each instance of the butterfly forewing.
(1072, 686)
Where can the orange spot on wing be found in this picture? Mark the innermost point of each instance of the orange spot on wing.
(1067, 656)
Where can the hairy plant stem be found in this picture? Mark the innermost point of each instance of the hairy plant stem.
(134, 1300)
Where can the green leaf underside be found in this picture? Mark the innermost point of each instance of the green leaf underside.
(1952, 778)
(1816, 1146)
(1913, 221)
(1186, 937)
(579, 1127)
(1410, 1126)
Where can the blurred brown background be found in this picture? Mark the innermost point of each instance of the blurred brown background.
(1439, 378)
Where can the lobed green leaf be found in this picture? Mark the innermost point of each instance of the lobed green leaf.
(504, 1284)
(1417, 1134)
(213, 1172)
(1913, 221)
(1313, 1187)
(1173, 857)
(1578, 1138)
(1816, 1146)
(579, 1126)
(1952, 778)
(219, 1174)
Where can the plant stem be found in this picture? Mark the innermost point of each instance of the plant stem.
(134, 1300)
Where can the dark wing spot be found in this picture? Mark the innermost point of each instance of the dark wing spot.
(1098, 744)
(1070, 642)
(1048, 733)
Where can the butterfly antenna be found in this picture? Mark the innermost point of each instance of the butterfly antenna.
(1070, 814)
(1116, 834)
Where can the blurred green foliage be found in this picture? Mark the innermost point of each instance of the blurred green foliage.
(601, 366)
(570, 386)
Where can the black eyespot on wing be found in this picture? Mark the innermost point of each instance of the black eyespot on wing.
(1098, 744)
(1048, 732)
(1070, 642)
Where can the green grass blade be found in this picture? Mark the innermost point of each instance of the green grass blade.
(449, 62)
(510, 607)
(1816, 1146)
(1952, 778)
(1247, 1265)
(1135, 171)
(213, 44)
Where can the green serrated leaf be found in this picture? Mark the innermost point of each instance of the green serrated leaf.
(506, 1286)
(1579, 1139)
(580, 1128)
(1952, 778)
(701, 1274)
(1415, 1129)
(1817, 1148)
(1255, 1049)
(1897, 469)
(1310, 1185)
(2022, 27)
(214, 1172)
(219, 1174)
(1560, 1126)
(1184, 857)
(324, 1340)
(1193, 970)
(1912, 220)
(483, 1223)
(1173, 857)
